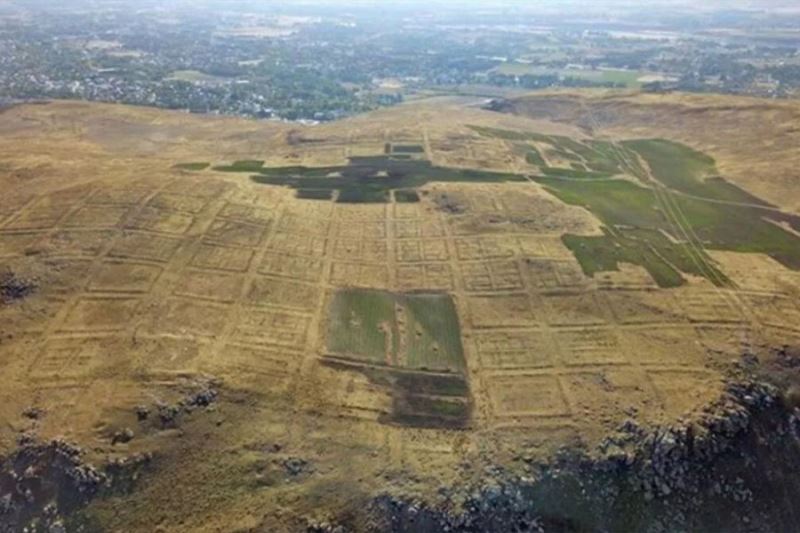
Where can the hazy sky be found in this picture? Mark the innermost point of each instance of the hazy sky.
(645, 7)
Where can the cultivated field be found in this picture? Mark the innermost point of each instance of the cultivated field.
(389, 304)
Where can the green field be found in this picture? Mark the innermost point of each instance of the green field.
(688, 171)
(533, 157)
(412, 331)
(245, 165)
(663, 260)
(193, 166)
(591, 156)
(407, 149)
(412, 345)
(575, 173)
(406, 196)
(682, 196)
(365, 179)
(361, 325)
(315, 194)
(640, 220)
(628, 78)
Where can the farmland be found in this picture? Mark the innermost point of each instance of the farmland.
(411, 331)
(617, 77)
(395, 335)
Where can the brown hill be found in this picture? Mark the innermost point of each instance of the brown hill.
(231, 357)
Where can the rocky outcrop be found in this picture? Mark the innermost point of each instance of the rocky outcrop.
(667, 460)
(720, 472)
(41, 483)
(202, 394)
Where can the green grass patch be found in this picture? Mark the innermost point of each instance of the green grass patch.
(371, 179)
(637, 217)
(407, 149)
(372, 193)
(314, 194)
(412, 331)
(694, 198)
(245, 165)
(406, 196)
(663, 259)
(638, 222)
(533, 157)
(627, 78)
(574, 173)
(597, 156)
(361, 326)
(437, 407)
(569, 156)
(432, 333)
(688, 171)
(607, 157)
(193, 166)
(615, 202)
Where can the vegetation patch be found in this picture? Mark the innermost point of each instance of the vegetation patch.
(368, 179)
(315, 194)
(533, 157)
(361, 326)
(415, 331)
(637, 229)
(600, 77)
(406, 196)
(193, 166)
(408, 343)
(688, 171)
(419, 399)
(682, 196)
(245, 165)
(663, 259)
(592, 156)
(575, 173)
(681, 206)
(407, 149)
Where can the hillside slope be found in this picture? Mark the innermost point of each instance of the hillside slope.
(196, 339)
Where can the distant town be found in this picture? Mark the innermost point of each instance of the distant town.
(306, 64)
